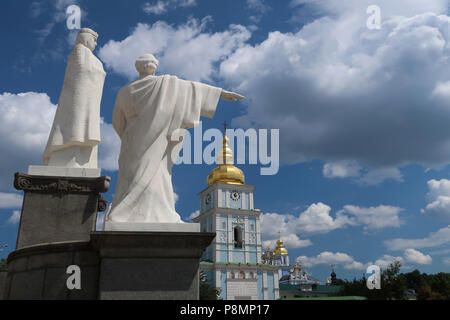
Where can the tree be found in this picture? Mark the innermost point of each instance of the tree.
(206, 291)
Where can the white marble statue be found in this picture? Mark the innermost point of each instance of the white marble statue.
(146, 113)
(75, 133)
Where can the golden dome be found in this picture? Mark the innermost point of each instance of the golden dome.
(280, 249)
(226, 171)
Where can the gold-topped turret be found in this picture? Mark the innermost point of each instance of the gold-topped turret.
(226, 171)
(280, 248)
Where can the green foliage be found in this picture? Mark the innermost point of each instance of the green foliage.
(3, 265)
(206, 291)
(395, 284)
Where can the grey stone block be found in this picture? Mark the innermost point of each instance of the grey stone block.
(150, 265)
(58, 209)
(3, 275)
(39, 272)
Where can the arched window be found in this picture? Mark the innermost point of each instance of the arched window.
(242, 275)
(237, 237)
(232, 275)
(252, 227)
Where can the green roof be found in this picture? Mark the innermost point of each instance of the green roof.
(316, 288)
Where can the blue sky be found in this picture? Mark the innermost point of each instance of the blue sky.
(363, 113)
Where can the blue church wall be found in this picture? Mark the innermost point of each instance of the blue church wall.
(253, 258)
(238, 256)
(260, 286)
(224, 256)
(271, 293)
(223, 284)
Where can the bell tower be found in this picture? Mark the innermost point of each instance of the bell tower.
(227, 208)
(232, 263)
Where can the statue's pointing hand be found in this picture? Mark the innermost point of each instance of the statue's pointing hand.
(231, 96)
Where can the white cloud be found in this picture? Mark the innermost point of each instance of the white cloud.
(180, 50)
(160, 6)
(14, 218)
(194, 214)
(378, 175)
(416, 257)
(316, 219)
(373, 218)
(22, 141)
(386, 260)
(434, 239)
(329, 258)
(10, 200)
(438, 199)
(291, 241)
(360, 175)
(341, 169)
(340, 91)
(446, 261)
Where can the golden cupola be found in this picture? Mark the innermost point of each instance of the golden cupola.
(226, 171)
(280, 248)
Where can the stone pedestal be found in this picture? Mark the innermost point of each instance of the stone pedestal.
(58, 208)
(39, 272)
(150, 265)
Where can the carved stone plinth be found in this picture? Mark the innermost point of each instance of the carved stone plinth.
(58, 209)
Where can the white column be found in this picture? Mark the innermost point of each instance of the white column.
(251, 205)
(246, 228)
(230, 239)
(265, 286)
(219, 198)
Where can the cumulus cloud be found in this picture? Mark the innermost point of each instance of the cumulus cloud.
(316, 219)
(434, 239)
(180, 50)
(438, 199)
(329, 258)
(339, 91)
(373, 218)
(417, 257)
(22, 141)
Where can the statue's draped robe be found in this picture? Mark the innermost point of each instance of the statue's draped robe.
(77, 118)
(146, 113)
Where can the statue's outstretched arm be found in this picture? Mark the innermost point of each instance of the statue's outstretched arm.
(231, 96)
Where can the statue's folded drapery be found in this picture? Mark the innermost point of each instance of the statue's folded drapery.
(77, 118)
(146, 113)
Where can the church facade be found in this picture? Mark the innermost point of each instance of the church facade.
(232, 263)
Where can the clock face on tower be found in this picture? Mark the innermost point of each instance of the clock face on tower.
(208, 198)
(234, 195)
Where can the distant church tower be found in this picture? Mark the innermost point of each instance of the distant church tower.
(232, 263)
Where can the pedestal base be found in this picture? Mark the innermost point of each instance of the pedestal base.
(64, 171)
(57, 209)
(150, 265)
